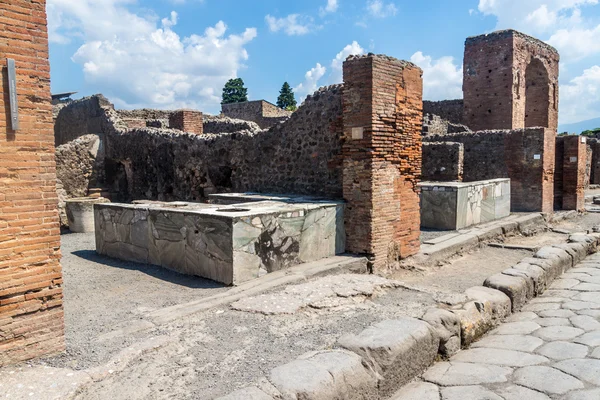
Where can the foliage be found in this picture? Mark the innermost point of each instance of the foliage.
(234, 91)
(286, 99)
(591, 132)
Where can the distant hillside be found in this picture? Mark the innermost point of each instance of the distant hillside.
(579, 127)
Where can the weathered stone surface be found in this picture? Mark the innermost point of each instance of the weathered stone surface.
(585, 322)
(585, 369)
(559, 350)
(469, 393)
(592, 394)
(447, 326)
(553, 253)
(516, 288)
(474, 322)
(514, 392)
(589, 339)
(536, 274)
(250, 393)
(547, 380)
(324, 375)
(524, 343)
(552, 333)
(552, 322)
(457, 373)
(397, 349)
(504, 357)
(498, 303)
(418, 390)
(556, 313)
(517, 328)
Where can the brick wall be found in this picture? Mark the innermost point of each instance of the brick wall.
(382, 105)
(595, 169)
(574, 161)
(31, 314)
(443, 161)
(510, 81)
(186, 120)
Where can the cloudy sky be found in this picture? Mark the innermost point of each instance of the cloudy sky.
(179, 53)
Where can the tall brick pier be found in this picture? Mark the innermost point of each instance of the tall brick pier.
(383, 113)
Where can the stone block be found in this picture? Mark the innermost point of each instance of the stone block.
(530, 286)
(495, 302)
(475, 321)
(398, 350)
(80, 213)
(552, 253)
(552, 267)
(577, 251)
(335, 374)
(447, 327)
(536, 274)
(249, 393)
(516, 288)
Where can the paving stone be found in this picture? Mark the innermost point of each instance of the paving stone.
(498, 302)
(581, 305)
(563, 350)
(397, 349)
(457, 373)
(516, 328)
(522, 316)
(583, 368)
(591, 313)
(514, 392)
(591, 297)
(536, 274)
(468, 393)
(556, 314)
(565, 283)
(585, 322)
(418, 391)
(516, 288)
(504, 357)
(552, 333)
(589, 279)
(585, 270)
(547, 380)
(596, 353)
(560, 293)
(541, 307)
(552, 321)
(587, 287)
(548, 299)
(510, 342)
(589, 339)
(593, 394)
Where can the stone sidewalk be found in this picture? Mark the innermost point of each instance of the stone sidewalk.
(550, 350)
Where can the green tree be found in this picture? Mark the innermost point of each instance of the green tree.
(286, 99)
(234, 91)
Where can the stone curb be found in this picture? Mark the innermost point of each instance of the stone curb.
(389, 354)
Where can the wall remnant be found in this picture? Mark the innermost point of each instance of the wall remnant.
(31, 312)
(443, 161)
(187, 121)
(573, 184)
(262, 112)
(510, 82)
(448, 110)
(382, 156)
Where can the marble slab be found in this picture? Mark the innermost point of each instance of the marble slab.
(226, 243)
(457, 205)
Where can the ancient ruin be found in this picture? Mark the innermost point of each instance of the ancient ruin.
(366, 213)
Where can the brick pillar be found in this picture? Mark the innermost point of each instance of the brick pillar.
(383, 112)
(31, 313)
(529, 157)
(187, 120)
(574, 161)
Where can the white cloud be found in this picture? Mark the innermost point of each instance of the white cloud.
(141, 61)
(580, 98)
(379, 9)
(313, 76)
(311, 79)
(293, 24)
(337, 63)
(442, 78)
(330, 7)
(577, 43)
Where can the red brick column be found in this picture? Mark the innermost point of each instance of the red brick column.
(187, 121)
(383, 112)
(31, 314)
(574, 161)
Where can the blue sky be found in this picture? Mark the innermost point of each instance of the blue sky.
(179, 53)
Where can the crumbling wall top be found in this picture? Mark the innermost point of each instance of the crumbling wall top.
(509, 33)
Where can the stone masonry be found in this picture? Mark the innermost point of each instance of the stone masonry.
(31, 313)
(382, 103)
(510, 81)
(443, 161)
(187, 121)
(574, 160)
(262, 112)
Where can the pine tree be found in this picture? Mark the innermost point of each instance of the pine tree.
(286, 99)
(234, 91)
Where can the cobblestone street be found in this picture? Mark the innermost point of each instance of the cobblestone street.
(550, 350)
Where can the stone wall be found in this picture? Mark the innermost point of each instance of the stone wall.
(595, 168)
(526, 156)
(443, 161)
(31, 313)
(301, 155)
(262, 112)
(80, 117)
(448, 110)
(510, 81)
(382, 156)
(574, 160)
